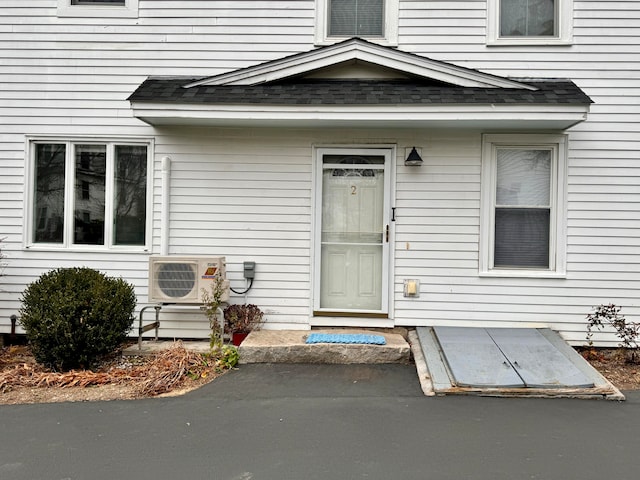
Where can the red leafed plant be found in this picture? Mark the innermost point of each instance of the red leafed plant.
(628, 332)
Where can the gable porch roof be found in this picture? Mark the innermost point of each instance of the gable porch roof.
(419, 92)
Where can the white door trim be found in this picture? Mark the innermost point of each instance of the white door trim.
(389, 153)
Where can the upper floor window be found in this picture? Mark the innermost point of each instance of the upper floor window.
(88, 194)
(375, 20)
(525, 22)
(98, 2)
(98, 8)
(522, 220)
(354, 18)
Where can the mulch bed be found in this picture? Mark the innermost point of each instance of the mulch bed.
(613, 365)
(170, 370)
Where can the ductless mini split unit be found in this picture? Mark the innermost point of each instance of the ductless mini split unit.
(181, 279)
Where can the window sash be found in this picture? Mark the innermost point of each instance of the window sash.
(130, 200)
(98, 8)
(509, 22)
(347, 18)
(98, 2)
(90, 174)
(528, 18)
(521, 238)
(49, 193)
(384, 30)
(522, 213)
(99, 197)
(522, 207)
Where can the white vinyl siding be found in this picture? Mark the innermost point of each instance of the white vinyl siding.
(70, 76)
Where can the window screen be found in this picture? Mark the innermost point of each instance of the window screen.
(49, 183)
(130, 194)
(523, 208)
(98, 2)
(356, 18)
(90, 187)
(528, 18)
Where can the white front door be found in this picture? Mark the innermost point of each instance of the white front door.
(352, 231)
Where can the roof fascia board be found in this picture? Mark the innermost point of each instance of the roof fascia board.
(456, 112)
(368, 52)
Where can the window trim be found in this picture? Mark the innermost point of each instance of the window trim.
(67, 244)
(557, 222)
(565, 27)
(128, 10)
(390, 37)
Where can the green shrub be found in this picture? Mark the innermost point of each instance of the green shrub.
(73, 316)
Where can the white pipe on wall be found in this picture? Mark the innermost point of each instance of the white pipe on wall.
(164, 214)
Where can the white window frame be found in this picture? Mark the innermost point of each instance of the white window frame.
(390, 25)
(128, 10)
(564, 20)
(69, 194)
(557, 143)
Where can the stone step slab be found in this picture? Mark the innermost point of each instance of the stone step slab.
(288, 346)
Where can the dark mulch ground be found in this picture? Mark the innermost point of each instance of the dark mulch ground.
(612, 364)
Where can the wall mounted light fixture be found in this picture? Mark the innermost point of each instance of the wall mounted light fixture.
(413, 159)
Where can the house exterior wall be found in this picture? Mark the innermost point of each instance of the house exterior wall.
(247, 194)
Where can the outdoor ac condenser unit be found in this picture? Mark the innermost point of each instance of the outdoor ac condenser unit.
(181, 279)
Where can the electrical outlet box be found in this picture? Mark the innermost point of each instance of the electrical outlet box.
(411, 288)
(249, 270)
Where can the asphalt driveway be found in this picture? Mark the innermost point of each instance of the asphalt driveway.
(321, 422)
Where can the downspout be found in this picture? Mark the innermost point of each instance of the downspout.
(164, 215)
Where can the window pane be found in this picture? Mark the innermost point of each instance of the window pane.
(49, 193)
(356, 18)
(523, 177)
(130, 195)
(97, 2)
(522, 238)
(90, 181)
(528, 18)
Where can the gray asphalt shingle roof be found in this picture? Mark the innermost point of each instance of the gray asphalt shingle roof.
(354, 92)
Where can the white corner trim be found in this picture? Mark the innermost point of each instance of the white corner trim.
(128, 10)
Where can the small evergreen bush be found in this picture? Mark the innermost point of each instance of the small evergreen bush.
(73, 316)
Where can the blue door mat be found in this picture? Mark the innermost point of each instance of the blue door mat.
(349, 338)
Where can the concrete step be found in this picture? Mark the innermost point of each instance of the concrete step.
(288, 346)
